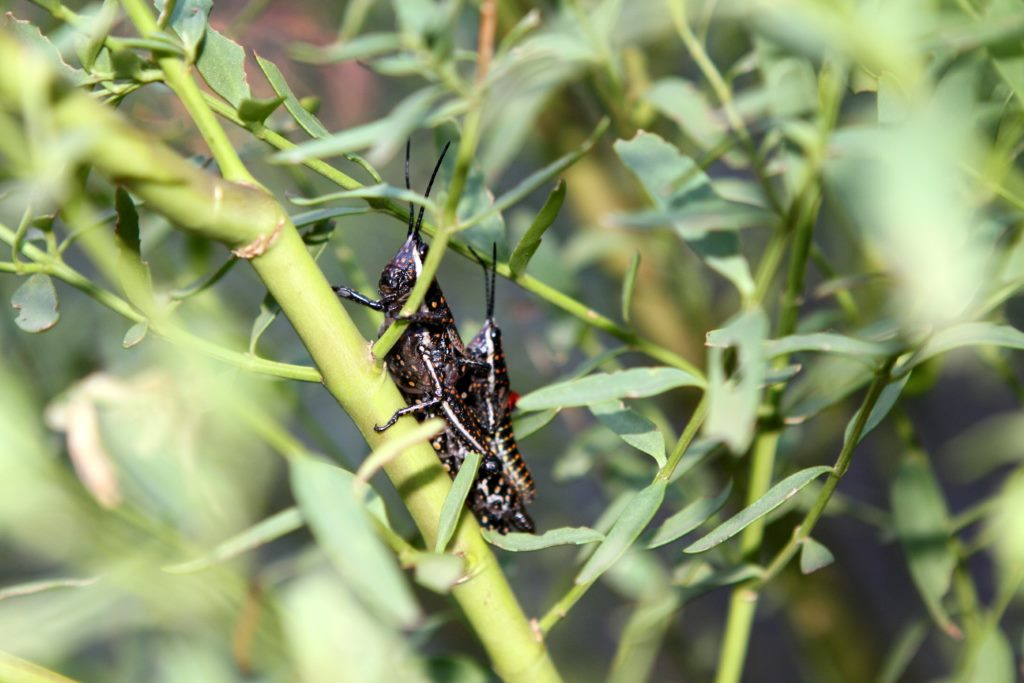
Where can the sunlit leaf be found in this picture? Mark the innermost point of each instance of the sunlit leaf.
(964, 335)
(35, 300)
(518, 542)
(773, 498)
(222, 64)
(188, 18)
(257, 110)
(675, 183)
(993, 661)
(345, 534)
(437, 571)
(358, 47)
(627, 527)
(135, 334)
(733, 400)
(306, 120)
(825, 342)
(600, 387)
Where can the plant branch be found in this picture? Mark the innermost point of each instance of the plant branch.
(177, 75)
(257, 227)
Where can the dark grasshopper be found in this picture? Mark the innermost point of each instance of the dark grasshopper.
(498, 500)
(429, 362)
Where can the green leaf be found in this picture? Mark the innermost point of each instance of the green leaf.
(30, 35)
(222, 64)
(527, 424)
(601, 387)
(344, 532)
(993, 660)
(566, 535)
(127, 229)
(685, 105)
(457, 669)
(261, 533)
(628, 284)
(188, 19)
(135, 334)
(438, 572)
(689, 518)
(524, 251)
(828, 380)
(385, 136)
(317, 215)
(985, 446)
(676, 184)
(903, 650)
(773, 498)
(359, 47)
(627, 527)
(886, 400)
(306, 120)
(826, 342)
(922, 525)
(257, 110)
(16, 670)
(633, 428)
(733, 401)
(381, 191)
(814, 556)
(539, 178)
(456, 501)
(705, 579)
(966, 334)
(269, 310)
(36, 303)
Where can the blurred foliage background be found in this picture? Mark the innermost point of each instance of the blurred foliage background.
(815, 202)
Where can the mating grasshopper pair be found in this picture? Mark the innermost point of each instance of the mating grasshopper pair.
(466, 385)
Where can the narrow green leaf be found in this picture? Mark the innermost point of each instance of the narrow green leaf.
(633, 428)
(707, 579)
(381, 191)
(359, 47)
(33, 587)
(566, 535)
(306, 120)
(316, 215)
(16, 670)
(457, 669)
(524, 251)
(261, 533)
(825, 342)
(628, 284)
(344, 532)
(773, 498)
(394, 447)
(629, 525)
(967, 334)
(600, 387)
(733, 400)
(382, 135)
(222, 64)
(188, 18)
(676, 184)
(827, 381)
(257, 110)
(269, 310)
(814, 556)
(127, 229)
(438, 572)
(986, 445)
(684, 104)
(689, 518)
(886, 400)
(921, 520)
(456, 501)
(30, 35)
(903, 650)
(993, 661)
(135, 334)
(527, 424)
(539, 178)
(36, 303)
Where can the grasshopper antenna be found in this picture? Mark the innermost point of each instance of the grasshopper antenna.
(437, 167)
(494, 279)
(412, 207)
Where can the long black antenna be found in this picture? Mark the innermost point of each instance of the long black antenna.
(494, 279)
(437, 167)
(412, 207)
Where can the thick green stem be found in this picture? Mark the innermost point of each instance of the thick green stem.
(257, 227)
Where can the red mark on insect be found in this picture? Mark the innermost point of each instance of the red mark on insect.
(513, 399)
